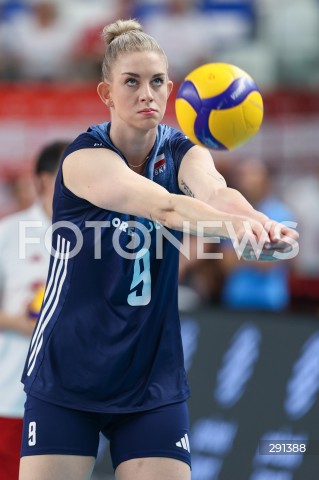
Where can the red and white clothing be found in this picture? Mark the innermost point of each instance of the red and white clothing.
(23, 268)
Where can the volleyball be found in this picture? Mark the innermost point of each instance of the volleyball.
(219, 106)
(36, 303)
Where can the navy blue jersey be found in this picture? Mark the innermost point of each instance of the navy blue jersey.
(108, 337)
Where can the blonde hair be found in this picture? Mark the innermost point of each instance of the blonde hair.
(126, 36)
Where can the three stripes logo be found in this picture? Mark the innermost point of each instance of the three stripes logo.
(184, 443)
(51, 298)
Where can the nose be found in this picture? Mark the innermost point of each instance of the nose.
(146, 93)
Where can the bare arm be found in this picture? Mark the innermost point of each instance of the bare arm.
(199, 178)
(102, 178)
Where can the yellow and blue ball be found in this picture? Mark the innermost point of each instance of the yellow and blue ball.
(219, 106)
(36, 303)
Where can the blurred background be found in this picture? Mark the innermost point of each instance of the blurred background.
(264, 319)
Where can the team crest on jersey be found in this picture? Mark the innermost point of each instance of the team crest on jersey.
(160, 165)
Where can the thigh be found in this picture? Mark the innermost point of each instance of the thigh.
(56, 467)
(153, 469)
(53, 429)
(152, 438)
(57, 442)
(10, 444)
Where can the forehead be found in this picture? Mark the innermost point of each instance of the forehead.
(142, 63)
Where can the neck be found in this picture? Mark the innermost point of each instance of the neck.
(134, 165)
(46, 204)
(134, 144)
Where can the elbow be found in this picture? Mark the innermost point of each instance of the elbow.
(215, 194)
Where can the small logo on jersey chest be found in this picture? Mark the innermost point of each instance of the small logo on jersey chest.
(160, 165)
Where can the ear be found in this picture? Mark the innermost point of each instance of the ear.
(103, 90)
(169, 87)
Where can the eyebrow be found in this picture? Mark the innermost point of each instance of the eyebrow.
(136, 75)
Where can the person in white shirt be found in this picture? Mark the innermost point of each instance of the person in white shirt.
(23, 270)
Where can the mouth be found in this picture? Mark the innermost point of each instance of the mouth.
(147, 110)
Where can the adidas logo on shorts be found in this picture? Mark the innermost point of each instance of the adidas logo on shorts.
(184, 443)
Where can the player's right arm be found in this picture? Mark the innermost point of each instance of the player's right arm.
(101, 177)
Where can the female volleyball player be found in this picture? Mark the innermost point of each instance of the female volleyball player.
(106, 355)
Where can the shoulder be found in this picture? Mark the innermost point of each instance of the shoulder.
(13, 219)
(34, 212)
(173, 140)
(9, 226)
(169, 133)
(96, 136)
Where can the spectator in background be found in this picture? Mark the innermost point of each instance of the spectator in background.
(89, 47)
(17, 191)
(36, 44)
(19, 280)
(185, 34)
(303, 196)
(200, 275)
(254, 285)
(22, 192)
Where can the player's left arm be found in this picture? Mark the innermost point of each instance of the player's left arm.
(199, 178)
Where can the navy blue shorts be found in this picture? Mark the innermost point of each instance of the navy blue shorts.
(52, 429)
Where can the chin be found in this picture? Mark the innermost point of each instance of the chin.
(147, 125)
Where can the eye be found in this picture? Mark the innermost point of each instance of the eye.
(158, 81)
(131, 82)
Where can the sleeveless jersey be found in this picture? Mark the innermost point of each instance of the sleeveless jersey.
(108, 337)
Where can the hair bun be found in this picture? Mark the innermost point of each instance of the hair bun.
(114, 30)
